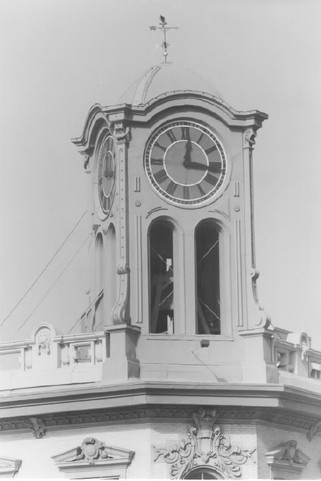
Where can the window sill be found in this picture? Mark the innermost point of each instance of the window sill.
(188, 337)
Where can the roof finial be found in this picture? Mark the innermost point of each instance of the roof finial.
(163, 27)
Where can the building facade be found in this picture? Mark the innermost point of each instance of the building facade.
(176, 371)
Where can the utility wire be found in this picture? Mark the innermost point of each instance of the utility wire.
(44, 269)
(53, 285)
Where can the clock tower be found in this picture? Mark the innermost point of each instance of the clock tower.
(171, 205)
(176, 372)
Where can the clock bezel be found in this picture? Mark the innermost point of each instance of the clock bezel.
(179, 201)
(102, 211)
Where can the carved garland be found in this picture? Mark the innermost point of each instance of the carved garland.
(205, 445)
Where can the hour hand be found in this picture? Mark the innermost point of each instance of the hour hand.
(196, 166)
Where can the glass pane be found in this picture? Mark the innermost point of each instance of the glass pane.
(161, 278)
(208, 279)
(83, 353)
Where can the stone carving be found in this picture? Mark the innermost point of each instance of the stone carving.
(43, 341)
(205, 445)
(94, 459)
(91, 449)
(249, 137)
(314, 428)
(264, 318)
(182, 414)
(120, 131)
(9, 467)
(122, 269)
(86, 163)
(288, 451)
(37, 426)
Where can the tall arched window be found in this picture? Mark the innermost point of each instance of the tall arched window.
(161, 280)
(207, 278)
(98, 320)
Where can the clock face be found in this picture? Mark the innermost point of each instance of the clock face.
(106, 174)
(185, 162)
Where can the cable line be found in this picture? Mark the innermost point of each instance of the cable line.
(44, 269)
(53, 285)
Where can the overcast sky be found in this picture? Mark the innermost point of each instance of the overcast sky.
(58, 57)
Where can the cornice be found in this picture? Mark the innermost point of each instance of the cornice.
(41, 401)
(157, 413)
(176, 100)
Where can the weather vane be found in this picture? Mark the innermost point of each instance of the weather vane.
(164, 29)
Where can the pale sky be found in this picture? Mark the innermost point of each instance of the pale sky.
(58, 57)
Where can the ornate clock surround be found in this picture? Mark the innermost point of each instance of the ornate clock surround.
(185, 162)
(104, 173)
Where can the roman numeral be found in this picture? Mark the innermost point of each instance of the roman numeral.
(154, 161)
(186, 192)
(170, 189)
(200, 138)
(210, 149)
(215, 167)
(160, 146)
(170, 135)
(211, 179)
(202, 192)
(160, 176)
(185, 133)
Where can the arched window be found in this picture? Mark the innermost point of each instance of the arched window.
(161, 280)
(203, 473)
(98, 317)
(207, 278)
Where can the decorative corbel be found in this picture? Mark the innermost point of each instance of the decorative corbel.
(37, 427)
(120, 131)
(264, 318)
(249, 137)
(314, 428)
(120, 312)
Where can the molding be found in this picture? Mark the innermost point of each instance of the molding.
(239, 270)
(9, 467)
(266, 402)
(94, 458)
(162, 413)
(139, 269)
(205, 445)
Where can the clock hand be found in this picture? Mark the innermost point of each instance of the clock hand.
(197, 166)
(187, 157)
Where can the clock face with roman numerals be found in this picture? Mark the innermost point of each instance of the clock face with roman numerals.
(106, 174)
(185, 162)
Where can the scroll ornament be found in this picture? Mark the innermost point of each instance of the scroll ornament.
(205, 445)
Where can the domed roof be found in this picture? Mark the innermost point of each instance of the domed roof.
(162, 78)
